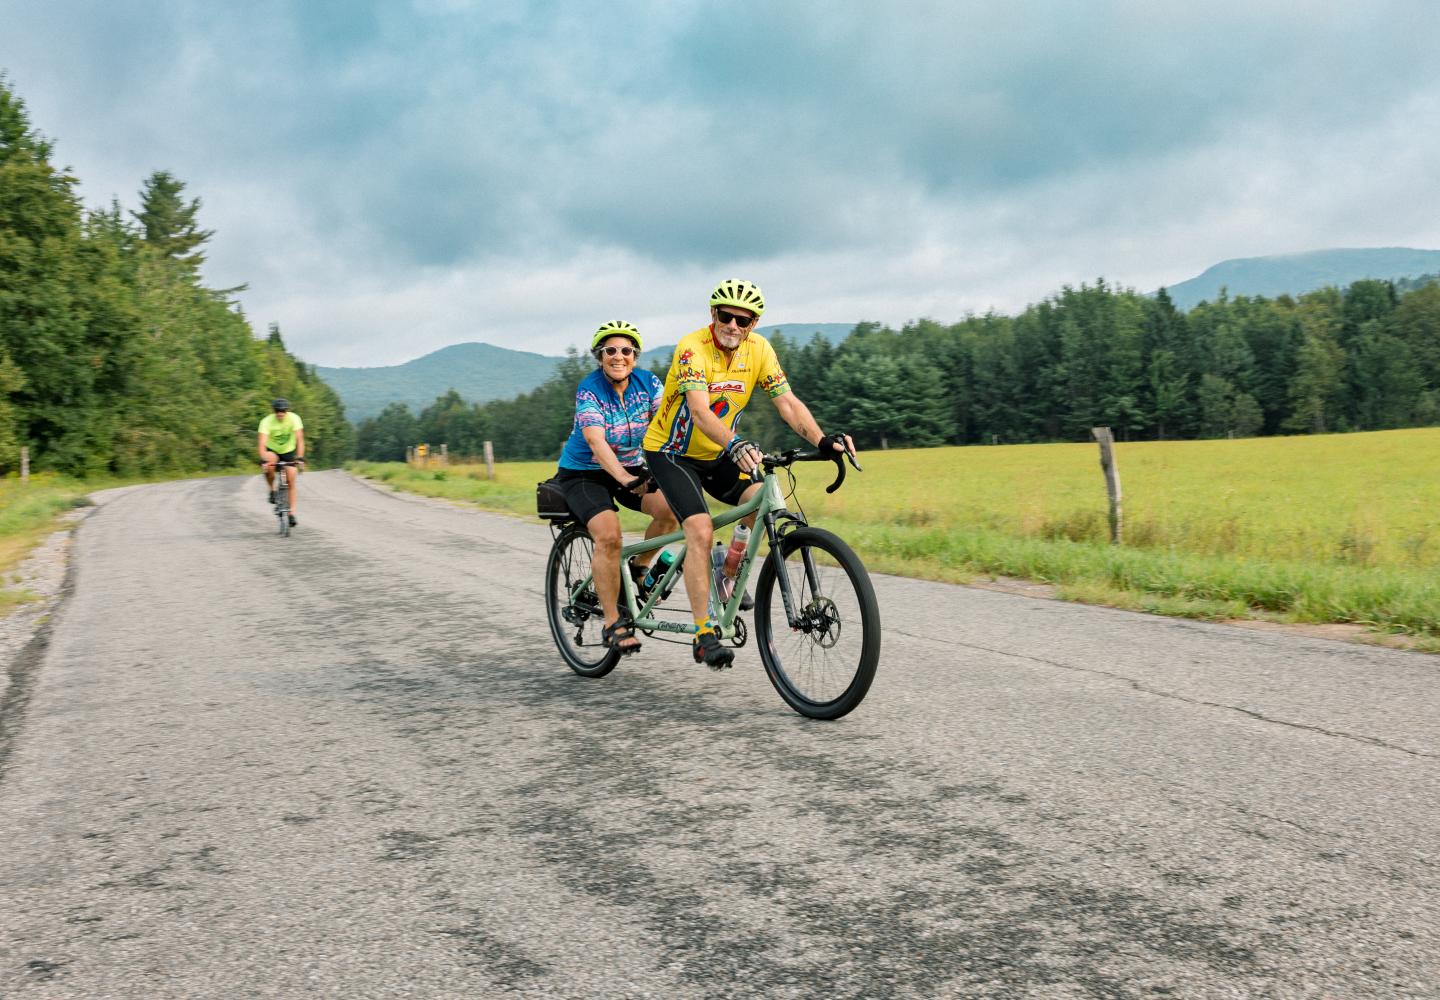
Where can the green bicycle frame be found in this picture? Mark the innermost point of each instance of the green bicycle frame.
(768, 501)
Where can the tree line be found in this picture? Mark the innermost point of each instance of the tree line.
(1365, 358)
(114, 355)
(531, 426)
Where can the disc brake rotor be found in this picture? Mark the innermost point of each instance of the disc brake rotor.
(821, 622)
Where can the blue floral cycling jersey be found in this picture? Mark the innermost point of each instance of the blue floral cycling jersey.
(625, 420)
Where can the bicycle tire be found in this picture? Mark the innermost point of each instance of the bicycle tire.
(822, 670)
(575, 624)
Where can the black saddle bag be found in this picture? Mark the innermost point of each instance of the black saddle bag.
(550, 501)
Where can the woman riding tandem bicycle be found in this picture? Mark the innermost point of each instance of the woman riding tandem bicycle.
(601, 465)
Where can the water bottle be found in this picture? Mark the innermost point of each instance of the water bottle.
(738, 542)
(657, 569)
(721, 586)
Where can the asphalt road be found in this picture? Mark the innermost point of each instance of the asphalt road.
(350, 764)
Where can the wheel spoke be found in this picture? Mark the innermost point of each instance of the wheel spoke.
(574, 613)
(823, 664)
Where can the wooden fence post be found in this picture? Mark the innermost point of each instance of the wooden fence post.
(445, 454)
(1112, 478)
(489, 461)
(24, 465)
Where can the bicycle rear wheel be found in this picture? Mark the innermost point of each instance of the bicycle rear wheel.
(575, 622)
(823, 665)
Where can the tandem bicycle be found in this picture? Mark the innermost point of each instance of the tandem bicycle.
(816, 619)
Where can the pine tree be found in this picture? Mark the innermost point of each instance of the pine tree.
(1386, 382)
(168, 221)
(1416, 322)
(1171, 366)
(1317, 384)
(1246, 417)
(1216, 398)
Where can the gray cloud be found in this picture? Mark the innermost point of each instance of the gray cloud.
(947, 155)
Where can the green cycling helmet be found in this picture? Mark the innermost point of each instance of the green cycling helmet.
(616, 328)
(741, 294)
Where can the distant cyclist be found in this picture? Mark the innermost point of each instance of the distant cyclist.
(282, 439)
(692, 442)
(601, 465)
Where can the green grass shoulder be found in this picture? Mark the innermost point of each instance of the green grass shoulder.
(28, 514)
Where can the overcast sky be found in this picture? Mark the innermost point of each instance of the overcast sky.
(390, 177)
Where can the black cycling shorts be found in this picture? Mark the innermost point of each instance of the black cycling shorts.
(681, 479)
(593, 491)
(283, 456)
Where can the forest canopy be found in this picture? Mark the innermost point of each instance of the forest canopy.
(114, 355)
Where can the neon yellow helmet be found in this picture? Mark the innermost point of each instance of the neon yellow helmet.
(616, 328)
(738, 293)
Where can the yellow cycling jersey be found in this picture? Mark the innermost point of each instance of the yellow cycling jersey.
(700, 364)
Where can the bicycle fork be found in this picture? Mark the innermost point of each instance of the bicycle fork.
(798, 621)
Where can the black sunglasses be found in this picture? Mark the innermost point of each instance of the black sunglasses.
(722, 317)
(624, 352)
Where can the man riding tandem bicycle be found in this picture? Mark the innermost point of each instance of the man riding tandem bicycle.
(816, 619)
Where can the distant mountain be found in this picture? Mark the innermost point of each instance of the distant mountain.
(800, 333)
(479, 372)
(1296, 273)
(482, 372)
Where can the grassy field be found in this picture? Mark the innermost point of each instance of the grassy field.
(27, 515)
(1337, 528)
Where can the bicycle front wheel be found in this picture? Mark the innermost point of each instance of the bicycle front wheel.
(575, 618)
(823, 661)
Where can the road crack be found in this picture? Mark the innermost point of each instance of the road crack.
(1197, 702)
